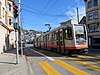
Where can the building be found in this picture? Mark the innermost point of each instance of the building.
(10, 24)
(83, 20)
(6, 25)
(93, 21)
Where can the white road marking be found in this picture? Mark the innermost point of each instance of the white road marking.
(43, 55)
(30, 68)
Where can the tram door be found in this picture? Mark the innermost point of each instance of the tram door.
(62, 40)
(37, 42)
(58, 41)
(46, 41)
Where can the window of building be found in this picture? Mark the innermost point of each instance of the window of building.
(90, 16)
(93, 28)
(3, 12)
(0, 9)
(89, 4)
(95, 2)
(96, 27)
(9, 21)
(9, 7)
(95, 15)
(6, 17)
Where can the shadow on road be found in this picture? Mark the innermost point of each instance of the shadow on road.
(8, 63)
(31, 53)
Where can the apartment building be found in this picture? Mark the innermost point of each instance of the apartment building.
(93, 21)
(5, 28)
(10, 23)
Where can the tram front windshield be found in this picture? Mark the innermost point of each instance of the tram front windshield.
(80, 34)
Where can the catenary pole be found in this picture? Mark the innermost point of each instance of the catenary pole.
(77, 15)
(17, 54)
(17, 34)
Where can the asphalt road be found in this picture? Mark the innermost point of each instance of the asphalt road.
(44, 62)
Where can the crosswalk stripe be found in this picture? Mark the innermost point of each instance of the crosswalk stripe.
(49, 69)
(97, 68)
(71, 68)
(89, 58)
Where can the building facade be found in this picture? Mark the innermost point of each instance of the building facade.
(10, 24)
(93, 21)
(5, 28)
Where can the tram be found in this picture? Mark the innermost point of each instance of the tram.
(67, 39)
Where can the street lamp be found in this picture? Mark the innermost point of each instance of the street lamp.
(48, 25)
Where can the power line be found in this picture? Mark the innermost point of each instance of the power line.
(68, 9)
(48, 10)
(53, 15)
(46, 14)
(39, 12)
(31, 8)
(42, 10)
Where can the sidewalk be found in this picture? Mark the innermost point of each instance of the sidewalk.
(8, 64)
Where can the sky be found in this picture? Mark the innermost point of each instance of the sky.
(36, 13)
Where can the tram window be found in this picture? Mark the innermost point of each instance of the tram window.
(60, 35)
(56, 36)
(61, 43)
(68, 33)
(48, 37)
(52, 37)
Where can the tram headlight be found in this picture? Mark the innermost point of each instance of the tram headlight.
(77, 43)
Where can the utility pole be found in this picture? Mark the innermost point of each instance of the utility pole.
(17, 55)
(19, 23)
(77, 15)
(17, 34)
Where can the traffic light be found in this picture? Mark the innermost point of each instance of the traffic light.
(15, 11)
(85, 0)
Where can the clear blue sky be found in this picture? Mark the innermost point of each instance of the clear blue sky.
(36, 13)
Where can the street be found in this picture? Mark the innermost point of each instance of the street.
(44, 62)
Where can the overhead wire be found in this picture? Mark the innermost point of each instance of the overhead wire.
(42, 11)
(67, 9)
(53, 15)
(62, 12)
(57, 16)
(35, 11)
(31, 8)
(48, 11)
